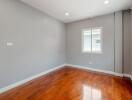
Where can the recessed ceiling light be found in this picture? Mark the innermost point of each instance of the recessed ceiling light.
(67, 14)
(106, 2)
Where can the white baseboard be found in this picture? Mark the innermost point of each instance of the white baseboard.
(93, 69)
(29, 79)
(128, 75)
(98, 70)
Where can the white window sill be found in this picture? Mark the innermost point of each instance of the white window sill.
(92, 52)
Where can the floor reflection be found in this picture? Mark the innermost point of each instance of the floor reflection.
(90, 93)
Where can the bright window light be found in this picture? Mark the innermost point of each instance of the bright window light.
(90, 93)
(92, 40)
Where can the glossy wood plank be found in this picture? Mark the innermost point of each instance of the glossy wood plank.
(72, 84)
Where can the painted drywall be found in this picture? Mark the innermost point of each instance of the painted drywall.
(106, 60)
(74, 53)
(118, 42)
(131, 41)
(38, 39)
(126, 42)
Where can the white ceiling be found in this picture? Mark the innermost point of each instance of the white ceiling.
(78, 9)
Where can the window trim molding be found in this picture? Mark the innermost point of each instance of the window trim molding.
(82, 40)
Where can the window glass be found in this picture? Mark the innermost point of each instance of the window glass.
(96, 40)
(92, 40)
(87, 41)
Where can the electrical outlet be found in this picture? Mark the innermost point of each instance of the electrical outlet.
(90, 62)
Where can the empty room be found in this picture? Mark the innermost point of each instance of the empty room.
(65, 49)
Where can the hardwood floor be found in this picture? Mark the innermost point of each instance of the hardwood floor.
(72, 84)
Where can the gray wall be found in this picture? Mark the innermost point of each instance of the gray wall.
(107, 59)
(118, 42)
(131, 41)
(126, 42)
(74, 40)
(39, 42)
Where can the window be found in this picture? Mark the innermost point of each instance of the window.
(92, 40)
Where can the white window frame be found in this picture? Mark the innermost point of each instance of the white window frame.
(92, 52)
